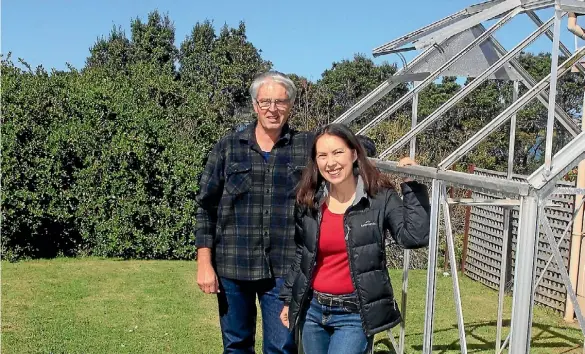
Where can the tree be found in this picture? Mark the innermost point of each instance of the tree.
(223, 67)
(339, 88)
(105, 160)
(94, 165)
(348, 81)
(37, 204)
(151, 42)
(113, 52)
(154, 41)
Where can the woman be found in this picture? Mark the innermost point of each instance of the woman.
(338, 291)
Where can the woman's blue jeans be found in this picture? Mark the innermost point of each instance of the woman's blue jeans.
(333, 330)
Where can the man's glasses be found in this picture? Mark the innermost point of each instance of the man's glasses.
(267, 103)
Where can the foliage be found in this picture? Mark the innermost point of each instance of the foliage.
(105, 160)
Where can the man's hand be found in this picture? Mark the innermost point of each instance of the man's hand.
(206, 277)
(284, 316)
(407, 161)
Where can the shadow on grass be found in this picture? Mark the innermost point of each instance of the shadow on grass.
(563, 343)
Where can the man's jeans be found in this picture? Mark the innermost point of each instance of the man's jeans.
(332, 329)
(237, 316)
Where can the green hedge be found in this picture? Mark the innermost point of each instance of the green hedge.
(95, 163)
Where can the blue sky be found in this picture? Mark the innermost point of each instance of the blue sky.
(303, 37)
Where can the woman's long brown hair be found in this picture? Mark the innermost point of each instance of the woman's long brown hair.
(311, 179)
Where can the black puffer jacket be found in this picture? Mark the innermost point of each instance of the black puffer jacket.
(365, 224)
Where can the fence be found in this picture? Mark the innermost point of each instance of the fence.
(485, 237)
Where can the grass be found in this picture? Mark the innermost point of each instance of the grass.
(110, 306)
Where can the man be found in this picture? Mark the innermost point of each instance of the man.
(245, 226)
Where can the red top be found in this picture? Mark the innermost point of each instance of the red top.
(332, 271)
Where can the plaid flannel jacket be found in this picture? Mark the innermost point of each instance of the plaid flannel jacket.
(246, 204)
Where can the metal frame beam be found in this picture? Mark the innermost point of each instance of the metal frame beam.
(568, 157)
(568, 190)
(408, 96)
(533, 194)
(382, 90)
(511, 7)
(572, 6)
(436, 115)
(476, 182)
(534, 17)
(561, 239)
(563, 270)
(454, 274)
(527, 80)
(482, 6)
(552, 92)
(370, 99)
(503, 203)
(431, 268)
(512, 109)
(537, 5)
(392, 47)
(522, 300)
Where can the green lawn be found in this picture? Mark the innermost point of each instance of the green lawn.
(109, 306)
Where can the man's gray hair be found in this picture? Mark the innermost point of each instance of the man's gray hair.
(278, 77)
